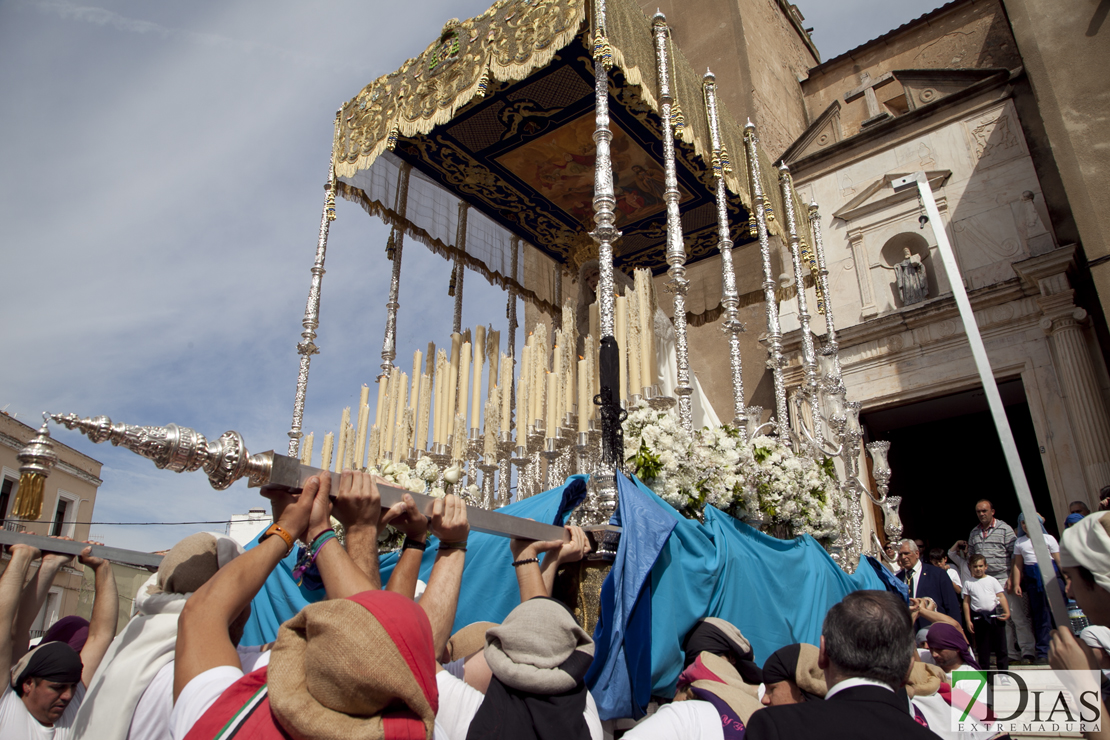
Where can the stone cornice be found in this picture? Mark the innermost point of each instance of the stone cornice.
(934, 321)
(893, 132)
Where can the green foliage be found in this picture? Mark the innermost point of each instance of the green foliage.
(646, 464)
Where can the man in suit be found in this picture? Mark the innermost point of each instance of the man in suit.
(866, 649)
(924, 580)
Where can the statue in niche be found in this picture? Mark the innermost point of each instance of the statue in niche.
(913, 285)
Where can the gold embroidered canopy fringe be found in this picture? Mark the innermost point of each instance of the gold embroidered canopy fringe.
(514, 41)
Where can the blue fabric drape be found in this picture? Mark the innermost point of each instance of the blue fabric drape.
(489, 590)
(775, 591)
(620, 677)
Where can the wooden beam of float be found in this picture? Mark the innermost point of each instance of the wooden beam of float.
(69, 547)
(287, 474)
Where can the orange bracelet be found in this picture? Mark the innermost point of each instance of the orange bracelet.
(280, 531)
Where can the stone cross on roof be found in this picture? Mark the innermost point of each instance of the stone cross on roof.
(867, 90)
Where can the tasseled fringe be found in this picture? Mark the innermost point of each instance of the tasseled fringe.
(603, 52)
(391, 244)
(726, 161)
(28, 500)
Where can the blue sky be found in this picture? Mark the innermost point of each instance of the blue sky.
(160, 195)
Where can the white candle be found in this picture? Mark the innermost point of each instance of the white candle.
(522, 396)
(375, 444)
(464, 383)
(382, 383)
(583, 398)
(342, 448)
(479, 360)
(621, 326)
(493, 349)
(493, 416)
(400, 434)
(633, 362)
(360, 438)
(458, 438)
(422, 417)
(647, 327)
(452, 381)
(439, 433)
(506, 393)
(306, 450)
(325, 451)
(552, 381)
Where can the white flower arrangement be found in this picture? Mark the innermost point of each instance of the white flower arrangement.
(761, 481)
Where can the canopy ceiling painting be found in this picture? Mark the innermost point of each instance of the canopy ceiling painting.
(499, 112)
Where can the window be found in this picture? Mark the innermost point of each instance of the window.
(6, 490)
(65, 515)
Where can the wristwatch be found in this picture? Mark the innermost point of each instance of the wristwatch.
(277, 529)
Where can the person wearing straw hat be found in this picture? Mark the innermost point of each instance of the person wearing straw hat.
(358, 665)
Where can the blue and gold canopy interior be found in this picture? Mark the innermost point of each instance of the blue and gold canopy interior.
(498, 112)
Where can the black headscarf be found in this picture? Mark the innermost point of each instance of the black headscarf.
(527, 697)
(53, 661)
(713, 635)
(783, 666)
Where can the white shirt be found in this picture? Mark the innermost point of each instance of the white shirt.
(16, 723)
(851, 683)
(916, 571)
(690, 720)
(1024, 546)
(153, 712)
(983, 593)
(458, 703)
(954, 576)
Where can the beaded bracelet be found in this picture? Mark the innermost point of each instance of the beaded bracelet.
(306, 560)
(525, 561)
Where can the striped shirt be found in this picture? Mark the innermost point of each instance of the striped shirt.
(996, 544)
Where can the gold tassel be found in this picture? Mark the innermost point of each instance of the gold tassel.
(726, 161)
(603, 52)
(28, 500)
(390, 245)
(483, 81)
(451, 285)
(391, 140)
(678, 120)
(753, 227)
(330, 205)
(715, 161)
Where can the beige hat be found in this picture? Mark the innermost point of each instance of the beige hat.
(339, 668)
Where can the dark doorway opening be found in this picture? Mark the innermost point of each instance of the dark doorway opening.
(945, 456)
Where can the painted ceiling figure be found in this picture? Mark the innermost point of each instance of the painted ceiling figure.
(912, 279)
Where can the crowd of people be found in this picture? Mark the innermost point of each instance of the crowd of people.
(378, 662)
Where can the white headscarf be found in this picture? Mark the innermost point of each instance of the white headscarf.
(1087, 544)
(1098, 637)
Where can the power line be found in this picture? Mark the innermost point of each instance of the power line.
(131, 524)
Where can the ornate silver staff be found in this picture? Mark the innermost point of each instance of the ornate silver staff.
(389, 342)
(306, 348)
(730, 298)
(676, 249)
(227, 460)
(774, 329)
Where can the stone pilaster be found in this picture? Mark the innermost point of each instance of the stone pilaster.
(1064, 324)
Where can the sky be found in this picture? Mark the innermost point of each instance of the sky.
(161, 175)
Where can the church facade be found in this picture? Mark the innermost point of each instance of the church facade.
(947, 95)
